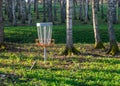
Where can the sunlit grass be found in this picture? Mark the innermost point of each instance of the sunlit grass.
(58, 70)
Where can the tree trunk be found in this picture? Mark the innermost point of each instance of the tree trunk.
(115, 11)
(80, 11)
(35, 3)
(55, 14)
(98, 5)
(69, 40)
(118, 3)
(14, 21)
(6, 7)
(63, 13)
(1, 25)
(118, 15)
(102, 13)
(98, 42)
(29, 12)
(113, 43)
(19, 9)
(37, 9)
(83, 9)
(50, 17)
(86, 11)
(9, 10)
(74, 9)
(23, 11)
(44, 11)
(69, 23)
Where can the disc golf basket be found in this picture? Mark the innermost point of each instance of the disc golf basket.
(44, 40)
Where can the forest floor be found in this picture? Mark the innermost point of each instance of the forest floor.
(91, 67)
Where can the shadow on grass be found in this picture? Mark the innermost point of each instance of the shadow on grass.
(7, 79)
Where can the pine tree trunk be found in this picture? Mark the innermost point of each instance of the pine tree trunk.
(98, 42)
(113, 43)
(1, 25)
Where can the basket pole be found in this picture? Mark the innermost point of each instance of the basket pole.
(45, 58)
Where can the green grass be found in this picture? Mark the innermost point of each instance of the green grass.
(58, 70)
(83, 70)
(82, 33)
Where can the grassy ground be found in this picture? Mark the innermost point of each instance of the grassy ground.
(91, 67)
(86, 69)
(82, 33)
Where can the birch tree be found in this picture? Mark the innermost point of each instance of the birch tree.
(86, 11)
(44, 11)
(80, 10)
(62, 8)
(50, 16)
(98, 42)
(55, 13)
(102, 13)
(29, 12)
(14, 13)
(114, 11)
(1, 25)
(112, 38)
(37, 10)
(69, 39)
(74, 9)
